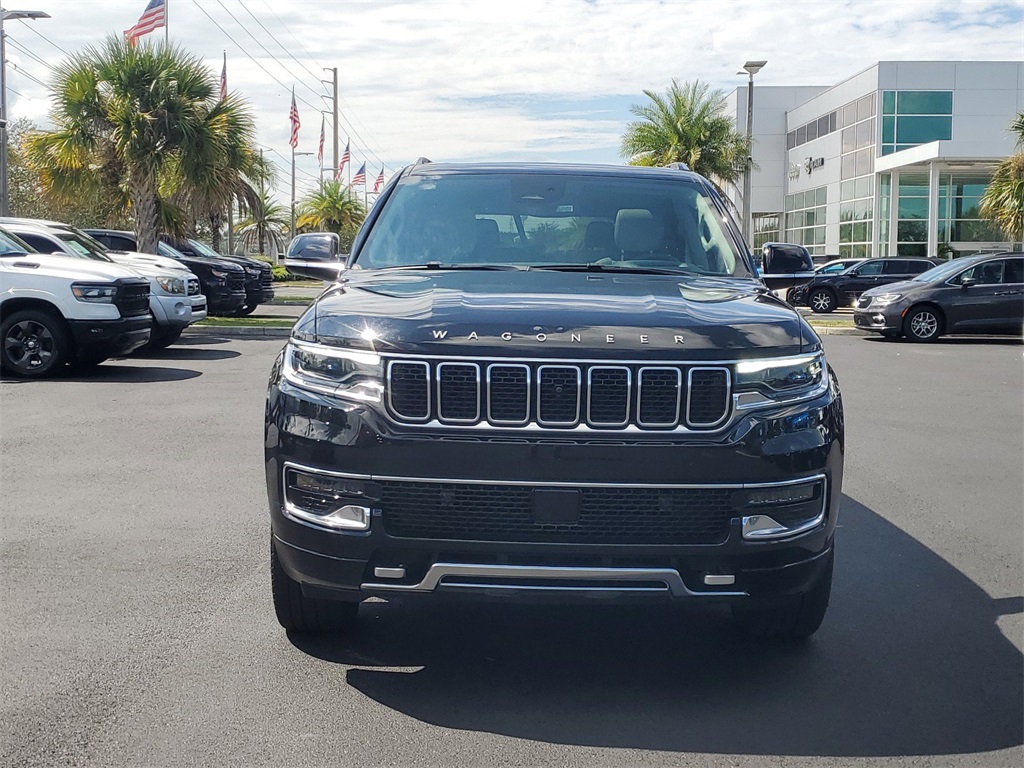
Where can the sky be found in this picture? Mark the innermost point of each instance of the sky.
(469, 80)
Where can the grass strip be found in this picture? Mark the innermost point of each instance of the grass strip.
(236, 322)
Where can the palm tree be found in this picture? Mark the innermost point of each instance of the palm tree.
(265, 225)
(147, 120)
(335, 208)
(687, 124)
(1003, 201)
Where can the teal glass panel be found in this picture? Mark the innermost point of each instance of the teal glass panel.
(889, 129)
(888, 149)
(924, 103)
(913, 208)
(912, 231)
(889, 102)
(921, 130)
(913, 185)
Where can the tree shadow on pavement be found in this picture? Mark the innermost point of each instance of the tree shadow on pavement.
(909, 661)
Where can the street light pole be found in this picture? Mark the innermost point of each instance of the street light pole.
(751, 68)
(294, 155)
(5, 201)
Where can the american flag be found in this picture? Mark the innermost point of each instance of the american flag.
(379, 182)
(344, 159)
(360, 177)
(293, 117)
(320, 149)
(152, 18)
(224, 78)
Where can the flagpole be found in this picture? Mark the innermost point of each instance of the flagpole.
(167, 22)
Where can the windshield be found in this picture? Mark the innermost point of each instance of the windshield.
(163, 249)
(942, 271)
(12, 245)
(203, 249)
(84, 246)
(542, 220)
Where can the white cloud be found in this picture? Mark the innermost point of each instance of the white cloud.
(464, 79)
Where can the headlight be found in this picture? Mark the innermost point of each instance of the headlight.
(350, 374)
(761, 383)
(171, 284)
(218, 273)
(885, 299)
(253, 272)
(94, 293)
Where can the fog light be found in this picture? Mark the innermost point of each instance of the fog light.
(326, 500)
(792, 494)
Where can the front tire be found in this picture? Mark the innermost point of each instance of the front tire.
(161, 338)
(822, 301)
(793, 621)
(305, 615)
(923, 324)
(33, 343)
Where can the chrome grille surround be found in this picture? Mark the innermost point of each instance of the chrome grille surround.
(516, 393)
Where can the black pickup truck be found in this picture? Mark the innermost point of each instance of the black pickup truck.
(553, 382)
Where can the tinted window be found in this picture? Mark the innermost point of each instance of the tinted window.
(1014, 272)
(917, 267)
(117, 242)
(833, 269)
(896, 267)
(40, 243)
(868, 268)
(983, 273)
(11, 246)
(552, 219)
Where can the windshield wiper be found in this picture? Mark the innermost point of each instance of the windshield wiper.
(474, 267)
(615, 268)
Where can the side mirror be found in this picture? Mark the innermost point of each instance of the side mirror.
(967, 282)
(316, 255)
(785, 266)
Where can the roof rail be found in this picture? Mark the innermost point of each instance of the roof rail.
(678, 166)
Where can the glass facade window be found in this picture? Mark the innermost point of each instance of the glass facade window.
(767, 229)
(911, 223)
(910, 118)
(805, 219)
(851, 114)
(959, 210)
(856, 206)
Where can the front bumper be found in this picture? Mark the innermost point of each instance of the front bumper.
(171, 311)
(790, 443)
(199, 309)
(884, 319)
(223, 300)
(110, 338)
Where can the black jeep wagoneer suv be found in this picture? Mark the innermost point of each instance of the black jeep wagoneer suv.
(553, 381)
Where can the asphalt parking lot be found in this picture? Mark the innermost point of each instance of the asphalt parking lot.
(138, 630)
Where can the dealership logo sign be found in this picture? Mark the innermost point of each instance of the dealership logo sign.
(794, 171)
(811, 163)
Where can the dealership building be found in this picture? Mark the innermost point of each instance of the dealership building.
(891, 161)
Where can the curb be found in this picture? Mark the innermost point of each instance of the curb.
(245, 331)
(829, 330)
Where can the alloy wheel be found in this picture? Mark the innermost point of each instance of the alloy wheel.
(821, 301)
(924, 324)
(29, 345)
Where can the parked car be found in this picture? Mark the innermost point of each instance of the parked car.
(59, 309)
(827, 292)
(222, 282)
(798, 296)
(972, 294)
(259, 275)
(553, 381)
(174, 298)
(309, 252)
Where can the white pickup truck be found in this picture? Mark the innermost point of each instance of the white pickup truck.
(175, 297)
(56, 310)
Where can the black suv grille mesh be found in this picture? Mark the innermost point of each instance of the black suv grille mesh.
(559, 395)
(465, 511)
(235, 282)
(132, 299)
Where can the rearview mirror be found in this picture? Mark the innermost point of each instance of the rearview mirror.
(316, 255)
(786, 265)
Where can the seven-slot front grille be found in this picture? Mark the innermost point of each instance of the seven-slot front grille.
(558, 395)
(607, 515)
(266, 276)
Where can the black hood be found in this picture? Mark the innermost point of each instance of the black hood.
(556, 314)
